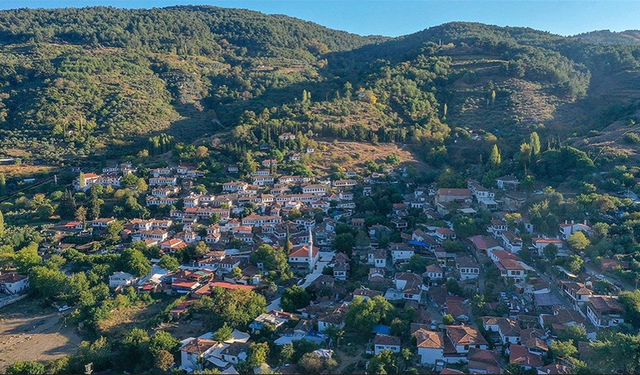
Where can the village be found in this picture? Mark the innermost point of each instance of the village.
(437, 278)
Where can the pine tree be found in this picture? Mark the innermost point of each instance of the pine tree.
(525, 154)
(81, 214)
(495, 159)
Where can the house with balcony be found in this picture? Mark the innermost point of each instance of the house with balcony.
(434, 272)
(510, 266)
(255, 220)
(410, 285)
(163, 180)
(315, 189)
(509, 330)
(344, 183)
(497, 227)
(462, 339)
(263, 180)
(605, 311)
(578, 293)
(511, 241)
(443, 234)
(235, 186)
(468, 267)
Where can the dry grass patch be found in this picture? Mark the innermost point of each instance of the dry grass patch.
(124, 319)
(353, 155)
(29, 332)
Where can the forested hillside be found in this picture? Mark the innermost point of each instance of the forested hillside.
(79, 79)
(76, 82)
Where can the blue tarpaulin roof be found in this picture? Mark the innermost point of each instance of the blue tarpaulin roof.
(418, 243)
(379, 328)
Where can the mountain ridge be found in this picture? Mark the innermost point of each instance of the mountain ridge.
(626, 37)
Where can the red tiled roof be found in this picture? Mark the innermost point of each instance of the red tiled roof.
(381, 339)
(434, 268)
(465, 335)
(184, 284)
(520, 355)
(446, 191)
(10, 278)
(303, 251)
(483, 242)
(429, 339)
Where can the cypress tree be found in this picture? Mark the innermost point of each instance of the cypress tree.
(94, 204)
(495, 159)
(3, 184)
(82, 181)
(535, 143)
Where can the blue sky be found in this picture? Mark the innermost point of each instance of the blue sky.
(400, 17)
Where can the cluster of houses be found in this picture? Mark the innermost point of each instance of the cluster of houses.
(110, 176)
(318, 205)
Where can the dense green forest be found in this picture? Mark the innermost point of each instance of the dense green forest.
(77, 82)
